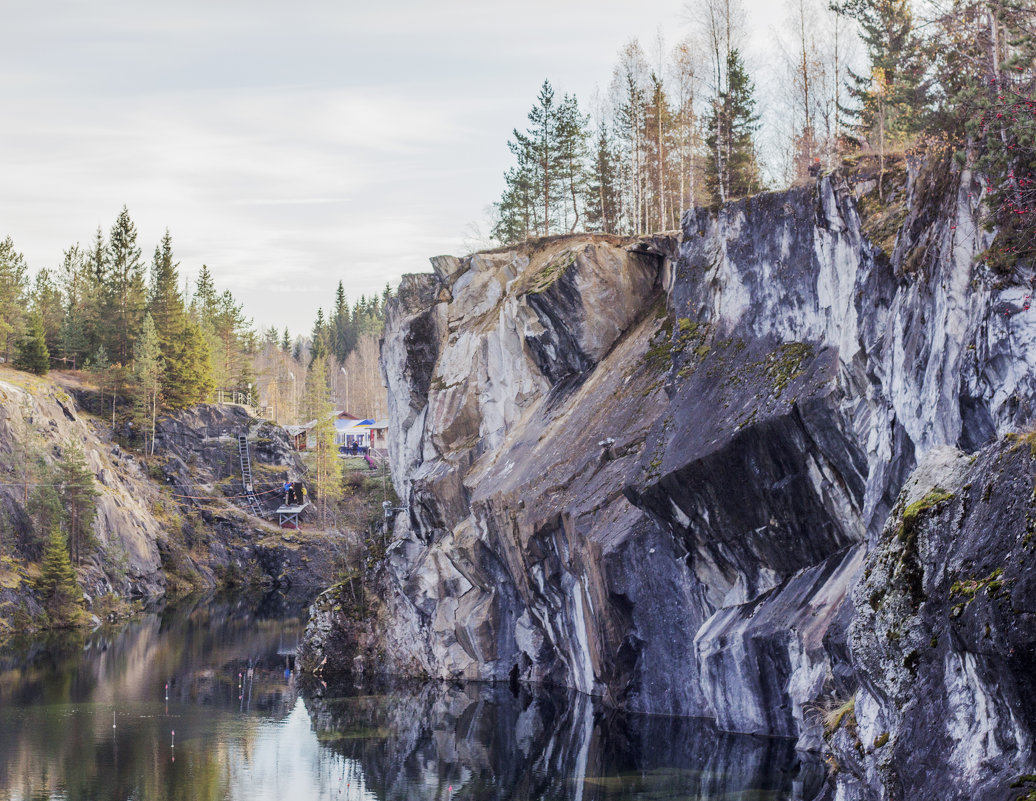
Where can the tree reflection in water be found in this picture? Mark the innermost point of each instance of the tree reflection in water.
(243, 730)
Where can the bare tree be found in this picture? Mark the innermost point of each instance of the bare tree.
(686, 77)
(628, 90)
(367, 394)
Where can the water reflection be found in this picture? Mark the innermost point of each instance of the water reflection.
(441, 741)
(205, 705)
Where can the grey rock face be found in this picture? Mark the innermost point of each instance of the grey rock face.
(650, 470)
(127, 561)
(944, 638)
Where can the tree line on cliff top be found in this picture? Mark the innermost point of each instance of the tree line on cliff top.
(954, 77)
(153, 343)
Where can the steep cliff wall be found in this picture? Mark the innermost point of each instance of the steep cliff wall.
(652, 469)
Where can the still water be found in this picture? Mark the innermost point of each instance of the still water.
(203, 703)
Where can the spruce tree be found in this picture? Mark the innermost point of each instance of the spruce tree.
(57, 584)
(44, 508)
(33, 355)
(12, 297)
(891, 94)
(75, 289)
(127, 296)
(186, 364)
(515, 220)
(318, 346)
(602, 197)
(165, 305)
(343, 338)
(230, 331)
(78, 497)
(187, 373)
(147, 381)
(98, 298)
(48, 303)
(731, 169)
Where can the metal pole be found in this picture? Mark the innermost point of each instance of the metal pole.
(294, 407)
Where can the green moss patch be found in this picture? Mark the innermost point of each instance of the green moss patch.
(915, 511)
(551, 272)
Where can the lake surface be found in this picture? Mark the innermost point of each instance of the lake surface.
(203, 703)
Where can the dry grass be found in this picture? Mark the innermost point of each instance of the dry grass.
(834, 716)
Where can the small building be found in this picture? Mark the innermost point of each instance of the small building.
(350, 432)
(300, 434)
(364, 434)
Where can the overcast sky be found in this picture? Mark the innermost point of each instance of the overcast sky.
(287, 146)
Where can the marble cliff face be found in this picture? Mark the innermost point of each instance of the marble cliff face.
(675, 472)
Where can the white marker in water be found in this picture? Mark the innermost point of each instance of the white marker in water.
(113, 718)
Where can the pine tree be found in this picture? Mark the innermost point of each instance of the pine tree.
(687, 134)
(628, 89)
(33, 355)
(535, 189)
(205, 301)
(572, 154)
(657, 137)
(62, 595)
(286, 341)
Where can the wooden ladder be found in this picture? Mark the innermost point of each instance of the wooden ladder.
(246, 475)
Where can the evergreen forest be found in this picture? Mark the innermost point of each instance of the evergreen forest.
(151, 342)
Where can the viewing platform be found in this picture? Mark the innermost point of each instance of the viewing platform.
(288, 516)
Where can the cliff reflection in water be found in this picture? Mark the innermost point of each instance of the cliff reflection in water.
(244, 729)
(487, 742)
